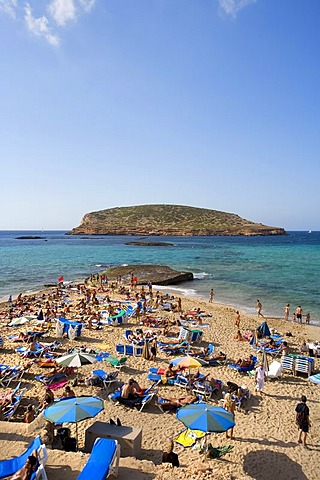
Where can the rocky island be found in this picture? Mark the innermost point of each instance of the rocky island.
(169, 220)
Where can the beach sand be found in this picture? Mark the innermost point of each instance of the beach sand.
(265, 445)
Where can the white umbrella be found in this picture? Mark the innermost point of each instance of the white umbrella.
(76, 359)
(20, 321)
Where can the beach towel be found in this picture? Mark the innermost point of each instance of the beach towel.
(56, 386)
(188, 437)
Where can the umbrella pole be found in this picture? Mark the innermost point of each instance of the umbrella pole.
(77, 436)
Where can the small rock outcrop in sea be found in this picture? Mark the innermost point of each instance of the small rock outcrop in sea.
(157, 274)
(30, 237)
(150, 244)
(169, 220)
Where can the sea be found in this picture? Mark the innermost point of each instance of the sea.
(274, 269)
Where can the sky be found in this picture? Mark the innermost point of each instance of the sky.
(207, 103)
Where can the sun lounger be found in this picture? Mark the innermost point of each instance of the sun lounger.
(16, 400)
(244, 369)
(11, 466)
(304, 365)
(10, 374)
(130, 350)
(315, 379)
(182, 381)
(156, 377)
(116, 362)
(103, 461)
(51, 379)
(106, 378)
(287, 363)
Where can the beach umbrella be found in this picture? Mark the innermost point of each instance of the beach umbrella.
(40, 316)
(76, 359)
(73, 410)
(10, 299)
(188, 362)
(205, 417)
(265, 361)
(146, 351)
(18, 321)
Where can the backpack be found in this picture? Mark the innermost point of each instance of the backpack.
(302, 417)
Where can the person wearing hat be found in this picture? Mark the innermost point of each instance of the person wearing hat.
(260, 377)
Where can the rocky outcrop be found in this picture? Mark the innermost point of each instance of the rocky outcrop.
(150, 244)
(157, 274)
(169, 220)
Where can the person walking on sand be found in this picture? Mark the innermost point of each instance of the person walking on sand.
(287, 311)
(303, 421)
(230, 406)
(260, 377)
(237, 321)
(299, 312)
(211, 295)
(259, 308)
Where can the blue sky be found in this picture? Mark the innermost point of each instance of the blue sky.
(210, 103)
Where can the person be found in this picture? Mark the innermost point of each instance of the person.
(230, 406)
(299, 312)
(238, 337)
(232, 388)
(48, 397)
(29, 415)
(304, 348)
(128, 391)
(179, 402)
(302, 420)
(68, 392)
(260, 377)
(153, 349)
(308, 318)
(169, 456)
(294, 316)
(285, 349)
(28, 468)
(287, 311)
(245, 362)
(211, 295)
(259, 308)
(237, 321)
(170, 372)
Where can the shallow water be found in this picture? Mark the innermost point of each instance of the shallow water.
(277, 270)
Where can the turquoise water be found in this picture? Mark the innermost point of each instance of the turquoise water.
(277, 270)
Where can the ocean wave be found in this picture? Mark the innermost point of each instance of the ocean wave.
(201, 275)
(189, 292)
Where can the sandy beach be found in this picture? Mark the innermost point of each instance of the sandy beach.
(265, 444)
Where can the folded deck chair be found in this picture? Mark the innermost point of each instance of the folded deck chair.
(287, 363)
(103, 461)
(106, 378)
(315, 379)
(304, 365)
(11, 466)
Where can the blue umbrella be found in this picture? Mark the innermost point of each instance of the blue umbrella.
(205, 417)
(73, 410)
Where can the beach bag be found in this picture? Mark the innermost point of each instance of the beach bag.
(302, 417)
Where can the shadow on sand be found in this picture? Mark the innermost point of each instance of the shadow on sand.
(264, 464)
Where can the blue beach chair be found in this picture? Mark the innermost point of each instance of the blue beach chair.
(11, 466)
(103, 461)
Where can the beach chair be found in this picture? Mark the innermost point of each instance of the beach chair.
(244, 369)
(275, 370)
(287, 363)
(315, 379)
(103, 461)
(182, 382)
(116, 362)
(203, 389)
(145, 400)
(11, 466)
(49, 380)
(107, 379)
(11, 374)
(304, 365)
(16, 400)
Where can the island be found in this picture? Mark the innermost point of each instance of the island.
(169, 220)
(157, 274)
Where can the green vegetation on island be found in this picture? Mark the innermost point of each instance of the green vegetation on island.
(169, 220)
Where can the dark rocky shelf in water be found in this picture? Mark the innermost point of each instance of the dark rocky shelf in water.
(150, 244)
(30, 237)
(157, 274)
